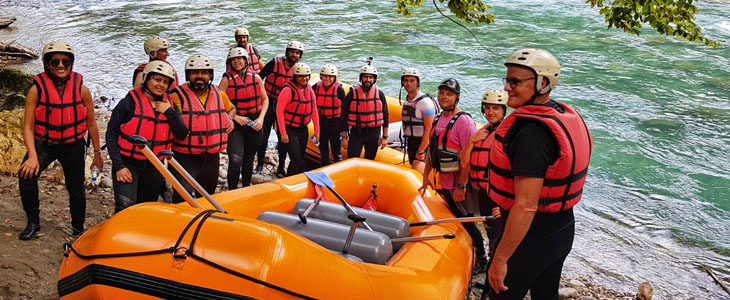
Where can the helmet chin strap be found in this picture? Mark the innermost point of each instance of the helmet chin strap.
(453, 107)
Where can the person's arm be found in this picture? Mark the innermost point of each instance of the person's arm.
(315, 118)
(345, 112)
(464, 168)
(31, 166)
(428, 113)
(384, 138)
(92, 127)
(267, 69)
(264, 104)
(284, 98)
(121, 114)
(177, 125)
(223, 85)
(139, 80)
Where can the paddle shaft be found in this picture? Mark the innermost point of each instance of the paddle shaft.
(423, 238)
(347, 206)
(454, 220)
(194, 183)
(170, 178)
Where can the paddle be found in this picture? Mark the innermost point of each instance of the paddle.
(447, 236)
(169, 155)
(454, 220)
(322, 179)
(141, 142)
(320, 195)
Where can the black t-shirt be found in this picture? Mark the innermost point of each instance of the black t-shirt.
(531, 147)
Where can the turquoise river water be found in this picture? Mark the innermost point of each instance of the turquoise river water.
(656, 202)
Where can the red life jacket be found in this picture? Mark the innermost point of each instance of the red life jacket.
(329, 105)
(253, 59)
(480, 159)
(365, 110)
(147, 122)
(275, 81)
(564, 179)
(443, 150)
(298, 112)
(59, 119)
(140, 68)
(245, 93)
(207, 125)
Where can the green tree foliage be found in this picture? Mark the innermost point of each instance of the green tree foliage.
(668, 17)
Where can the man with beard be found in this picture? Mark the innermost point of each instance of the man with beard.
(277, 72)
(207, 113)
(418, 113)
(254, 58)
(245, 89)
(157, 49)
(367, 112)
(59, 112)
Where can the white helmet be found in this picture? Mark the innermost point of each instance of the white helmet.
(57, 47)
(199, 62)
(369, 69)
(302, 69)
(237, 52)
(411, 72)
(295, 45)
(328, 69)
(154, 44)
(495, 96)
(241, 31)
(159, 67)
(544, 64)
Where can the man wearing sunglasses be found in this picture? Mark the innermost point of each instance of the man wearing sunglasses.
(537, 167)
(59, 111)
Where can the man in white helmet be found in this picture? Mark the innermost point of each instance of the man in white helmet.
(208, 115)
(537, 169)
(418, 113)
(254, 58)
(276, 73)
(156, 48)
(59, 113)
(365, 113)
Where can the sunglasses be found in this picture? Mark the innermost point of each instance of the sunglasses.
(57, 62)
(514, 82)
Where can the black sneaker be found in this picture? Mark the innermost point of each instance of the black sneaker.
(76, 232)
(280, 173)
(258, 169)
(30, 232)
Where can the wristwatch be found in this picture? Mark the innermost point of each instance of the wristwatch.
(460, 186)
(384, 137)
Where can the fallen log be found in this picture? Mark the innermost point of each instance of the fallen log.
(5, 21)
(13, 49)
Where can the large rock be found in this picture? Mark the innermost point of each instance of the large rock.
(646, 291)
(14, 86)
(11, 140)
(568, 293)
(5, 21)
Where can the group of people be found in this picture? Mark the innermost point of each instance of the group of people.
(526, 169)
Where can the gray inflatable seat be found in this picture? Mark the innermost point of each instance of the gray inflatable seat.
(371, 246)
(392, 226)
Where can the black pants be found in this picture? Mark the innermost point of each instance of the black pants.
(269, 122)
(146, 186)
(202, 167)
(243, 142)
(329, 138)
(412, 144)
(298, 138)
(537, 263)
(72, 157)
(470, 227)
(494, 228)
(363, 137)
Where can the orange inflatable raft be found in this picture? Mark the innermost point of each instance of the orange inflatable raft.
(159, 250)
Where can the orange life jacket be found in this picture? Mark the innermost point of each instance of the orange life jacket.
(146, 122)
(329, 105)
(365, 110)
(59, 118)
(562, 187)
(245, 93)
(480, 159)
(140, 68)
(298, 112)
(275, 81)
(253, 59)
(207, 125)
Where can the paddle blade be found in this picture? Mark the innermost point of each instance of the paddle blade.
(320, 178)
